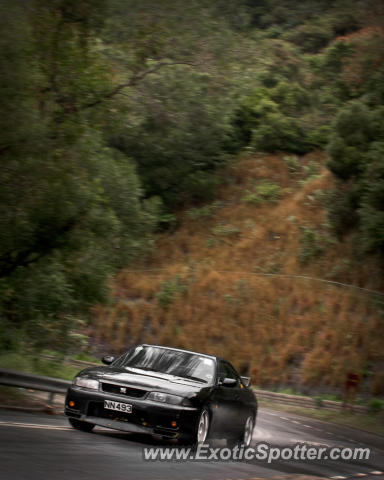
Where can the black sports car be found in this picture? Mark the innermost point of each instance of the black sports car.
(165, 391)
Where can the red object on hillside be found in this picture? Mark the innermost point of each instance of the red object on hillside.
(353, 380)
(350, 389)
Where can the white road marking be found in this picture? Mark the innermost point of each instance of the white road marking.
(360, 475)
(306, 442)
(337, 477)
(346, 439)
(34, 425)
(52, 427)
(376, 472)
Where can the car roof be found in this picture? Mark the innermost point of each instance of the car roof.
(181, 350)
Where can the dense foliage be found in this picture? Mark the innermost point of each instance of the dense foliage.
(107, 121)
(115, 115)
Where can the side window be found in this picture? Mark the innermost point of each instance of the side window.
(225, 370)
(233, 374)
(222, 371)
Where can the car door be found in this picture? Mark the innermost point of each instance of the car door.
(241, 406)
(228, 405)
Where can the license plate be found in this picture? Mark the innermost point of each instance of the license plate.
(120, 407)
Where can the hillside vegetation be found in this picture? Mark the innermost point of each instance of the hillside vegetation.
(241, 278)
(229, 148)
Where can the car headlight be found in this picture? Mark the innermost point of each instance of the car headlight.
(86, 383)
(167, 398)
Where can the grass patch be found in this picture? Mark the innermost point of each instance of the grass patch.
(29, 363)
(206, 211)
(225, 230)
(37, 365)
(265, 191)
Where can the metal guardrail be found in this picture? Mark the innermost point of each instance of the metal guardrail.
(56, 386)
(30, 381)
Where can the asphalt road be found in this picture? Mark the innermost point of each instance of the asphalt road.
(44, 447)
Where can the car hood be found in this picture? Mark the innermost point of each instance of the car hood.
(146, 380)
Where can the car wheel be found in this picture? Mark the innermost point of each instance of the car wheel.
(202, 430)
(79, 425)
(248, 430)
(246, 436)
(202, 427)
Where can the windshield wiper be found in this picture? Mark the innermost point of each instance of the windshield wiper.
(143, 369)
(190, 377)
(148, 370)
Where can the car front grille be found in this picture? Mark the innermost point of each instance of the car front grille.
(122, 390)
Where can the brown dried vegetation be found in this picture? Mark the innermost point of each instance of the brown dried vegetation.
(206, 289)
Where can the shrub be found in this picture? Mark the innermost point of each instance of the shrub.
(291, 98)
(292, 163)
(319, 136)
(311, 36)
(203, 212)
(356, 151)
(210, 242)
(342, 214)
(264, 191)
(355, 127)
(376, 405)
(268, 119)
(311, 171)
(170, 290)
(371, 212)
(311, 245)
(225, 229)
(278, 132)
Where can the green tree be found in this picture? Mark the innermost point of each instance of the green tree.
(355, 151)
(268, 120)
(177, 129)
(72, 209)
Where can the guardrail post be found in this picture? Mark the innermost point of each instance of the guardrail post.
(51, 397)
(49, 406)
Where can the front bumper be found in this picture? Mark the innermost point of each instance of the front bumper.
(147, 416)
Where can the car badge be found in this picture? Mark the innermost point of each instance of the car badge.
(123, 390)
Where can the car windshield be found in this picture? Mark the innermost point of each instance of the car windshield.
(186, 365)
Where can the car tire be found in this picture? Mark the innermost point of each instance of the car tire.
(246, 436)
(201, 433)
(203, 425)
(79, 425)
(248, 430)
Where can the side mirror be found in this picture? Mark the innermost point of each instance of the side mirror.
(228, 382)
(108, 359)
(246, 381)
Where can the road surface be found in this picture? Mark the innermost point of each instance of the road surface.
(45, 447)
